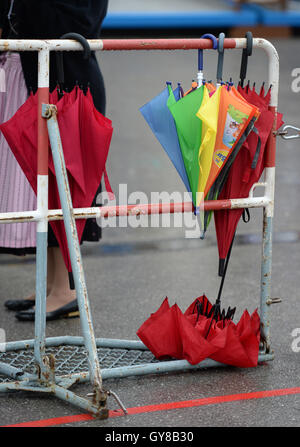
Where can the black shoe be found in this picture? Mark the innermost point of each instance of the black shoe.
(70, 310)
(19, 304)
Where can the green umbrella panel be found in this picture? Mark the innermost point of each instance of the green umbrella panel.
(189, 131)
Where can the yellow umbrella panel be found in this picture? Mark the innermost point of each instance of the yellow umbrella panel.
(208, 113)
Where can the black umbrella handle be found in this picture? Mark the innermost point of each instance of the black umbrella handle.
(220, 57)
(59, 55)
(246, 53)
(257, 150)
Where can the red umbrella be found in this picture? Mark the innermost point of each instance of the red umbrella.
(242, 341)
(195, 335)
(246, 170)
(85, 135)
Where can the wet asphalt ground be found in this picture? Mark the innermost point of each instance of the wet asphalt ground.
(132, 269)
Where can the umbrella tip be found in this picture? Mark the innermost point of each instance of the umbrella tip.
(202, 235)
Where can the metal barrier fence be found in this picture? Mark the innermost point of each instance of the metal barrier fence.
(121, 358)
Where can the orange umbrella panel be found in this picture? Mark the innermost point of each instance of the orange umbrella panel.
(234, 116)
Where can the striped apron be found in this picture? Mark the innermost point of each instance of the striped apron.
(15, 192)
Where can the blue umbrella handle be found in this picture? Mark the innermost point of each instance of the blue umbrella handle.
(220, 57)
(200, 51)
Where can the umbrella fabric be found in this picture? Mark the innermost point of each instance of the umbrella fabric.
(233, 118)
(189, 131)
(223, 111)
(85, 135)
(170, 333)
(85, 161)
(246, 170)
(208, 113)
(193, 87)
(164, 323)
(242, 341)
(210, 87)
(161, 122)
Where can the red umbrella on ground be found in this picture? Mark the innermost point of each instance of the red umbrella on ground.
(246, 170)
(195, 335)
(85, 135)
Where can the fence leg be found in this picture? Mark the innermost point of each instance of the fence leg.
(42, 224)
(100, 396)
(266, 265)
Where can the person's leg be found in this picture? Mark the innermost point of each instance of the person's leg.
(60, 293)
(61, 300)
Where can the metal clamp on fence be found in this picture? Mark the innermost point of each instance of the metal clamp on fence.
(286, 135)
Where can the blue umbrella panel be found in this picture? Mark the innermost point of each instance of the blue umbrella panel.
(161, 122)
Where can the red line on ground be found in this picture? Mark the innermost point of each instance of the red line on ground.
(162, 407)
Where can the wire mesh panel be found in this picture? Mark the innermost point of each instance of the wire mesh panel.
(74, 359)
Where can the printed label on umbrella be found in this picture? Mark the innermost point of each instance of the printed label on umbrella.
(220, 157)
(234, 124)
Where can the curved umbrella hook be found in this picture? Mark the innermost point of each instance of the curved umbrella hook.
(220, 58)
(59, 55)
(246, 53)
(200, 51)
(200, 56)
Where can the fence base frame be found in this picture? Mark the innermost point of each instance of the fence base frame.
(58, 385)
(49, 376)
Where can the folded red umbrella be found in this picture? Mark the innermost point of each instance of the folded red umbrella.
(85, 136)
(242, 341)
(169, 333)
(164, 323)
(195, 336)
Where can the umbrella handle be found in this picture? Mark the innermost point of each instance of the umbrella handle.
(59, 55)
(220, 58)
(246, 52)
(200, 51)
